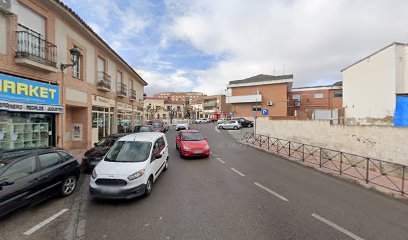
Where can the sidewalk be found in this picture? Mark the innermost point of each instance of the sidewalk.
(78, 154)
(352, 168)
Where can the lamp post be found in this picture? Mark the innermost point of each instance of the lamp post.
(75, 53)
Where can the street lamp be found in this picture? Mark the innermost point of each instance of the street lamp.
(76, 53)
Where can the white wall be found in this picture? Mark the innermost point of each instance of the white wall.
(369, 89)
(62, 31)
(402, 69)
(3, 35)
(380, 142)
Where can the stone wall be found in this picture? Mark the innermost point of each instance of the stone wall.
(380, 142)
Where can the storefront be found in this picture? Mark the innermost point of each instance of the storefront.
(124, 117)
(27, 113)
(103, 111)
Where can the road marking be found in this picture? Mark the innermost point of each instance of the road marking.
(271, 192)
(45, 222)
(337, 227)
(238, 172)
(220, 160)
(216, 129)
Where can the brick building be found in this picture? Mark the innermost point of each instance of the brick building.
(251, 95)
(215, 107)
(304, 101)
(43, 106)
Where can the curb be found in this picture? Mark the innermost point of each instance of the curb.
(328, 172)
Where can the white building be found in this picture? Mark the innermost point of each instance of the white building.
(373, 86)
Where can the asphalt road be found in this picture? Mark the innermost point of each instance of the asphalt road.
(238, 193)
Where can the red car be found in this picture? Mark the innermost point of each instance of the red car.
(191, 143)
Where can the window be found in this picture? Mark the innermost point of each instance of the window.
(134, 151)
(296, 97)
(338, 94)
(20, 169)
(178, 108)
(257, 108)
(49, 159)
(164, 116)
(65, 156)
(318, 95)
(76, 69)
(101, 65)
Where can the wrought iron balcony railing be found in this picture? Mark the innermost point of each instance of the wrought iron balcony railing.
(31, 45)
(104, 81)
(122, 90)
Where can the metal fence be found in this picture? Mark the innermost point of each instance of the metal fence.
(385, 174)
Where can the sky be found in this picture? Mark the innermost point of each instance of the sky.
(201, 45)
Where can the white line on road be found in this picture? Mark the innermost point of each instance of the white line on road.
(238, 172)
(45, 222)
(220, 160)
(271, 192)
(337, 227)
(216, 129)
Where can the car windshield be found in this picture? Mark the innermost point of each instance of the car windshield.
(145, 129)
(156, 125)
(106, 142)
(192, 137)
(182, 122)
(129, 152)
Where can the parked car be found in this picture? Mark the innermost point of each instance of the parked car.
(182, 125)
(244, 122)
(30, 176)
(142, 128)
(221, 120)
(158, 126)
(191, 143)
(130, 167)
(201, 120)
(94, 155)
(231, 124)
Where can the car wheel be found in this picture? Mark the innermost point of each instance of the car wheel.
(235, 128)
(149, 186)
(166, 165)
(68, 186)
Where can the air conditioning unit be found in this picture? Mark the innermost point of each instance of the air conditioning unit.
(269, 103)
(8, 6)
(297, 103)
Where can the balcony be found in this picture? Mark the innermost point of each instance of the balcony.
(245, 99)
(133, 95)
(104, 82)
(122, 90)
(210, 104)
(35, 52)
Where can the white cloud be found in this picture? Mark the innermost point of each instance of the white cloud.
(313, 39)
(176, 81)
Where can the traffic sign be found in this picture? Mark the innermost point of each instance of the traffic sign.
(265, 112)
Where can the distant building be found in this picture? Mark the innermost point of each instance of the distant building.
(196, 108)
(375, 88)
(305, 102)
(216, 107)
(249, 96)
(186, 97)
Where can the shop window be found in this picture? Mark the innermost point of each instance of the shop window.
(124, 122)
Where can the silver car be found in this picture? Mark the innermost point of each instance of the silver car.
(232, 124)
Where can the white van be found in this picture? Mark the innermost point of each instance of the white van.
(131, 166)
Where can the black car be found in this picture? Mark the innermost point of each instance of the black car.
(143, 128)
(94, 155)
(244, 122)
(29, 176)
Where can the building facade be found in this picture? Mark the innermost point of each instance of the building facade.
(375, 89)
(166, 110)
(215, 107)
(186, 97)
(250, 96)
(46, 99)
(305, 101)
